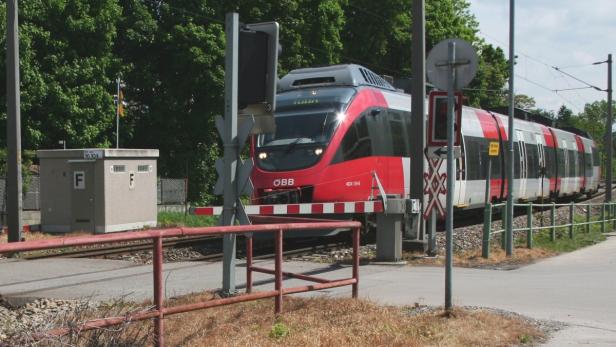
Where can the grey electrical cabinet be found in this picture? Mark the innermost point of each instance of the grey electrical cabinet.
(98, 190)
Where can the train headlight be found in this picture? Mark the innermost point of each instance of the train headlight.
(262, 155)
(318, 151)
(340, 116)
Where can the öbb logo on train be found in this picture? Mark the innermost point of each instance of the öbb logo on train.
(283, 182)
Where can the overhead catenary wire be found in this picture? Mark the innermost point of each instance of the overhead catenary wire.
(567, 89)
(577, 79)
(549, 67)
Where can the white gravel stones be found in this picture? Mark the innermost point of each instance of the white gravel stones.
(19, 324)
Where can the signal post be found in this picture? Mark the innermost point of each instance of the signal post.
(451, 65)
(250, 88)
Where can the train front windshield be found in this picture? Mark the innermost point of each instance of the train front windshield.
(306, 120)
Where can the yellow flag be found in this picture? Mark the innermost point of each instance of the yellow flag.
(121, 104)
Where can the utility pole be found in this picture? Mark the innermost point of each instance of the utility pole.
(510, 171)
(13, 126)
(418, 112)
(118, 101)
(608, 130)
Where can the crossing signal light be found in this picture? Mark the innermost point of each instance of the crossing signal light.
(258, 65)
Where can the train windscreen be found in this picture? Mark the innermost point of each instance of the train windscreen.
(305, 122)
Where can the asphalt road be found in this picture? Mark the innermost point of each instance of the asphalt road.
(577, 288)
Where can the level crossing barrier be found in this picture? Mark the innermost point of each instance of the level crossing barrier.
(159, 310)
(607, 215)
(373, 206)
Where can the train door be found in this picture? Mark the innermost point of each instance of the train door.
(459, 198)
(564, 186)
(576, 169)
(523, 167)
(542, 166)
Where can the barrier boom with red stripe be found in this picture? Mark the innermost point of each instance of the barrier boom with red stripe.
(293, 209)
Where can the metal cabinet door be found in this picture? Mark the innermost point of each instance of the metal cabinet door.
(82, 196)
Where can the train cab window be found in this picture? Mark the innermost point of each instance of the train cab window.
(356, 142)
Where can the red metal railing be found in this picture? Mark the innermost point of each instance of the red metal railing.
(160, 311)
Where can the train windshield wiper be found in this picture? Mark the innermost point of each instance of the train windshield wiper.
(292, 145)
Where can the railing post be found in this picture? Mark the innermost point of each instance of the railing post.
(613, 216)
(588, 218)
(503, 234)
(571, 220)
(278, 271)
(249, 264)
(553, 222)
(157, 262)
(602, 217)
(356, 262)
(529, 225)
(487, 226)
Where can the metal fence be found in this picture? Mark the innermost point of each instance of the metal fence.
(159, 310)
(31, 193)
(575, 222)
(170, 191)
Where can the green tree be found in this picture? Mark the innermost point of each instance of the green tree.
(565, 117)
(593, 119)
(310, 31)
(487, 88)
(173, 65)
(67, 68)
(377, 35)
(524, 101)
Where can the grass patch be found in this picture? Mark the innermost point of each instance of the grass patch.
(563, 243)
(327, 322)
(173, 219)
(473, 258)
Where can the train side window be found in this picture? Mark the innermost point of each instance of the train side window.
(396, 133)
(595, 157)
(572, 162)
(356, 142)
(550, 161)
(560, 159)
(532, 160)
(378, 127)
(587, 165)
(476, 155)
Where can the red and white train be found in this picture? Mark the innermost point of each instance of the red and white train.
(337, 125)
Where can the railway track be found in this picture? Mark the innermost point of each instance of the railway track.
(294, 248)
(123, 248)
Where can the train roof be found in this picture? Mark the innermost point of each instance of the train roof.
(337, 75)
(539, 118)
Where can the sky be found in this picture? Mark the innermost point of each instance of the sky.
(568, 34)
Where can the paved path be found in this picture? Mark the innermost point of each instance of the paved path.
(578, 288)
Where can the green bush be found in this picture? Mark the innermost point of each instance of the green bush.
(279, 330)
